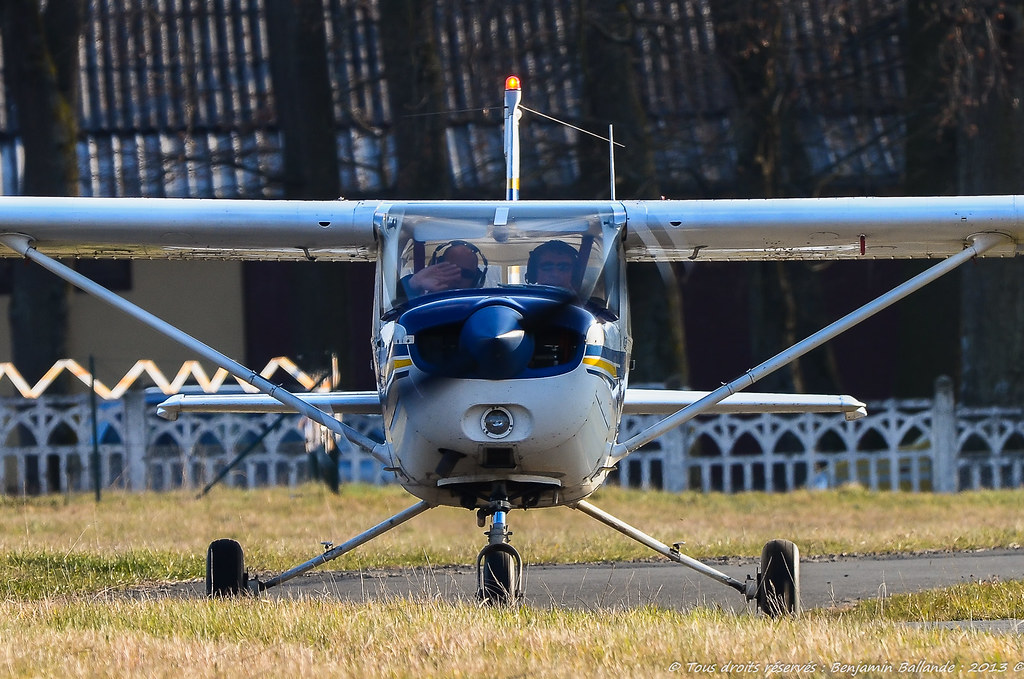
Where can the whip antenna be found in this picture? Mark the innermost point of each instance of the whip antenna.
(611, 158)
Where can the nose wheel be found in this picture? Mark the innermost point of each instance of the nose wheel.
(499, 568)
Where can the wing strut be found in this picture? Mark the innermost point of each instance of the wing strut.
(332, 552)
(23, 246)
(979, 244)
(663, 549)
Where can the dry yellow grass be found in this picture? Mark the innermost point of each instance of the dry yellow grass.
(247, 638)
(280, 526)
(78, 548)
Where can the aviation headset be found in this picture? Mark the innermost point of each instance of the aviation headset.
(553, 246)
(441, 249)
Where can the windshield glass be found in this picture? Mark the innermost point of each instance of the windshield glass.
(437, 247)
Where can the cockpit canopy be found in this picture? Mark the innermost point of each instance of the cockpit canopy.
(498, 246)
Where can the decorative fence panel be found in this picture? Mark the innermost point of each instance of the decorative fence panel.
(918, 445)
(890, 449)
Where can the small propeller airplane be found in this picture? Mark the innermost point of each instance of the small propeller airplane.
(501, 331)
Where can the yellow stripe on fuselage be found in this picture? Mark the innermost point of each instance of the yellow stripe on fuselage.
(400, 363)
(604, 365)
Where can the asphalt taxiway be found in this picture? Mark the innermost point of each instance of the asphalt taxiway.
(825, 582)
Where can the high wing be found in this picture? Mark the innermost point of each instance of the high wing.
(637, 402)
(819, 228)
(193, 228)
(673, 230)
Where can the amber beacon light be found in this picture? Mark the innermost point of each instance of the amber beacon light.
(513, 94)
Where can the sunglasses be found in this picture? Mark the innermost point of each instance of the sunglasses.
(551, 267)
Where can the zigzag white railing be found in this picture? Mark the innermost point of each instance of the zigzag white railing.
(189, 369)
(46, 448)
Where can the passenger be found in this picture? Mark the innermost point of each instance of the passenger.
(552, 263)
(453, 265)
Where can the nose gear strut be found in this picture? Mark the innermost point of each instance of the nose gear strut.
(499, 568)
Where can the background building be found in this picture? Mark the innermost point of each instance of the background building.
(387, 98)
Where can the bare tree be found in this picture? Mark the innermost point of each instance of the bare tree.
(323, 301)
(966, 136)
(986, 91)
(40, 47)
(416, 92)
(607, 43)
(756, 53)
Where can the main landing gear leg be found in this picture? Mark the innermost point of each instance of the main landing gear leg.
(776, 587)
(499, 568)
(225, 569)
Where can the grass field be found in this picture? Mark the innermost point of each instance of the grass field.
(64, 560)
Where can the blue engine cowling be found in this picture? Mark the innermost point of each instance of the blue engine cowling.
(483, 336)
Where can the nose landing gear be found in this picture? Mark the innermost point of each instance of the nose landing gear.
(499, 568)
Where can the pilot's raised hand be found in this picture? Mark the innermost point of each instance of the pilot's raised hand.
(436, 277)
(457, 268)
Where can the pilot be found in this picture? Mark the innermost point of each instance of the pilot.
(453, 265)
(552, 263)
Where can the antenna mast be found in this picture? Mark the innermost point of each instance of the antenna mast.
(513, 95)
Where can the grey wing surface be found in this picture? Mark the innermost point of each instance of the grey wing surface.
(185, 228)
(818, 228)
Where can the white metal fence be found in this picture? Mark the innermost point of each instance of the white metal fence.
(915, 445)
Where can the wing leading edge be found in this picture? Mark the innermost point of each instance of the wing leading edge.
(187, 228)
(819, 228)
(673, 230)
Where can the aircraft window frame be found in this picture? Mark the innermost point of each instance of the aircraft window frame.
(413, 236)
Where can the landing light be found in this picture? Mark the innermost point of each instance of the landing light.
(512, 83)
(497, 423)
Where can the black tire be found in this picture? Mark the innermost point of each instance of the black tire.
(778, 593)
(225, 569)
(500, 585)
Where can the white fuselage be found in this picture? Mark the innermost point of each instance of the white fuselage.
(561, 427)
